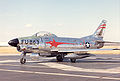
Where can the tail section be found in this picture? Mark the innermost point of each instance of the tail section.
(100, 30)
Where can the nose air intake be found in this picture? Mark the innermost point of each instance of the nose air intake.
(13, 42)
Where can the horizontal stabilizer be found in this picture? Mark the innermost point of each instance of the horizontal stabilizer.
(99, 41)
(86, 50)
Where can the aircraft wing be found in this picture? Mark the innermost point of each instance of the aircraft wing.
(99, 41)
(85, 50)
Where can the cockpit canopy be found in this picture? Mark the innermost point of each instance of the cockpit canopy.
(44, 34)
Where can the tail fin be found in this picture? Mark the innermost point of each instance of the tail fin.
(100, 30)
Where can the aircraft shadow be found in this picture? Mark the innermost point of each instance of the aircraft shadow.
(80, 61)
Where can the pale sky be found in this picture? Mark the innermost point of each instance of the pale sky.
(69, 18)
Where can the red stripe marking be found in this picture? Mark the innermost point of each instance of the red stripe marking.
(55, 44)
(102, 26)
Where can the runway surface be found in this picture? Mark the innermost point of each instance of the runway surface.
(100, 68)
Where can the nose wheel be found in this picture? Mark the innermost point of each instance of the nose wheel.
(23, 59)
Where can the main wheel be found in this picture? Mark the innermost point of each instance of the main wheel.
(59, 58)
(73, 60)
(22, 61)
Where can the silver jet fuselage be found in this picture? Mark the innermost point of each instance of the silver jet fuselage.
(52, 43)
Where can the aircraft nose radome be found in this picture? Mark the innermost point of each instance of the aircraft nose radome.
(13, 42)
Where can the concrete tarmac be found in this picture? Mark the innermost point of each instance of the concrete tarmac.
(100, 68)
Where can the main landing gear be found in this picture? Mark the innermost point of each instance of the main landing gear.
(23, 59)
(59, 58)
(73, 60)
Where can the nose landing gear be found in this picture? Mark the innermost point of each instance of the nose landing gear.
(23, 59)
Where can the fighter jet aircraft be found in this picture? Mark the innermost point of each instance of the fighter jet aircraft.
(50, 45)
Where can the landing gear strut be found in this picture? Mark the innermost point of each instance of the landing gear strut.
(73, 60)
(23, 59)
(59, 58)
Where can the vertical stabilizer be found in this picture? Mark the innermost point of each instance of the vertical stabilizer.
(100, 30)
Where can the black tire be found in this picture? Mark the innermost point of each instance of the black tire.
(59, 58)
(73, 60)
(22, 61)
